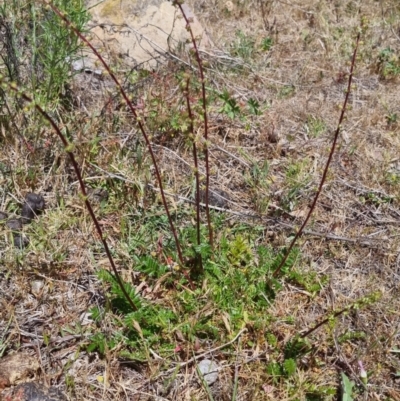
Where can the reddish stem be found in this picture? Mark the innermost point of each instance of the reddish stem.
(67, 146)
(137, 118)
(196, 166)
(328, 162)
(205, 117)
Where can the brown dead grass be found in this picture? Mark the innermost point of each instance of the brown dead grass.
(358, 209)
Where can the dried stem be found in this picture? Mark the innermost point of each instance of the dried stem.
(196, 170)
(137, 118)
(68, 146)
(205, 118)
(322, 322)
(328, 162)
(363, 302)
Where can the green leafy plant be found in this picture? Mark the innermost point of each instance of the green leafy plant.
(388, 63)
(266, 43)
(239, 253)
(229, 106)
(254, 107)
(287, 91)
(296, 348)
(309, 281)
(297, 178)
(98, 342)
(54, 48)
(319, 392)
(51, 49)
(275, 370)
(315, 126)
(289, 367)
(347, 388)
(234, 286)
(243, 46)
(392, 119)
(348, 336)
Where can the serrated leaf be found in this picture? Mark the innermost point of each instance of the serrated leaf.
(289, 365)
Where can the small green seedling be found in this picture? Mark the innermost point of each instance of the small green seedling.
(347, 388)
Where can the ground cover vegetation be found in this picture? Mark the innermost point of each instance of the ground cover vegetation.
(236, 205)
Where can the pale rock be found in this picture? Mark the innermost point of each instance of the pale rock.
(137, 33)
(209, 370)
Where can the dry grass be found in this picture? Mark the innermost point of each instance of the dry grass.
(47, 289)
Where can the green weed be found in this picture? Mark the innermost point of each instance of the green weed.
(243, 46)
(297, 179)
(315, 126)
(254, 107)
(234, 291)
(234, 110)
(347, 388)
(230, 106)
(287, 91)
(267, 43)
(43, 64)
(388, 63)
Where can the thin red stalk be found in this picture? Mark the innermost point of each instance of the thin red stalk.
(368, 300)
(137, 118)
(322, 322)
(196, 166)
(328, 162)
(205, 117)
(67, 146)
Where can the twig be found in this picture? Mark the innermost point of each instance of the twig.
(364, 190)
(199, 259)
(205, 117)
(68, 148)
(176, 155)
(367, 300)
(365, 241)
(216, 147)
(193, 359)
(236, 378)
(328, 162)
(137, 119)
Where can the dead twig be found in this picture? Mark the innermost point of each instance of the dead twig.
(327, 165)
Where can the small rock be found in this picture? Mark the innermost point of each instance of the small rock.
(14, 224)
(219, 199)
(3, 216)
(98, 195)
(229, 6)
(17, 367)
(37, 286)
(139, 32)
(27, 213)
(34, 392)
(83, 64)
(38, 200)
(20, 242)
(209, 370)
(273, 137)
(33, 205)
